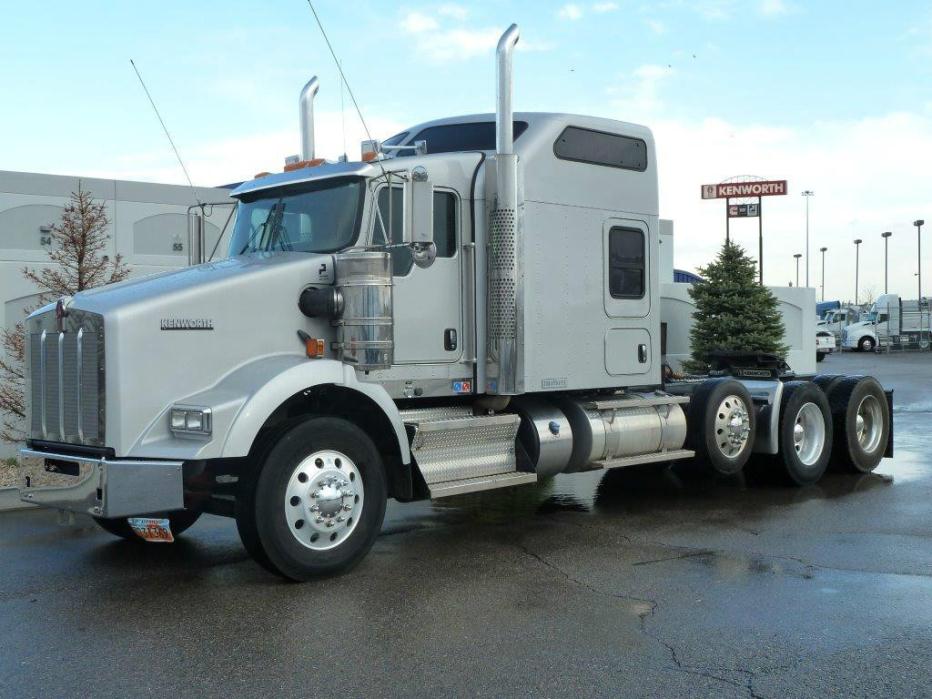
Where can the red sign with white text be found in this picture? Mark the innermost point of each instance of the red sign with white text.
(730, 190)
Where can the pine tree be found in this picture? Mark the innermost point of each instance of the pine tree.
(733, 312)
(78, 240)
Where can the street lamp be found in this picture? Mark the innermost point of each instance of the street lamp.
(918, 223)
(797, 256)
(822, 250)
(807, 193)
(857, 261)
(886, 252)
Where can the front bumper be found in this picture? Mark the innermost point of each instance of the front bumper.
(102, 487)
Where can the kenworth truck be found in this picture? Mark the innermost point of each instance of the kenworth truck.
(473, 305)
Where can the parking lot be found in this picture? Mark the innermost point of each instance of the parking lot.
(637, 582)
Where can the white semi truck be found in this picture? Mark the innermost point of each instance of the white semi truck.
(890, 321)
(474, 305)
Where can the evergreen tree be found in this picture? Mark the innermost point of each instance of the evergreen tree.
(733, 312)
(78, 241)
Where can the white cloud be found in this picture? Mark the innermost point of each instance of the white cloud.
(656, 26)
(859, 192)
(773, 8)
(417, 22)
(219, 162)
(570, 11)
(442, 43)
(457, 12)
(458, 44)
(602, 7)
(637, 97)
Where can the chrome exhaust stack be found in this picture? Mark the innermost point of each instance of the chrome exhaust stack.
(306, 114)
(505, 295)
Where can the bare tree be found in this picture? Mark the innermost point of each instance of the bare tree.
(78, 241)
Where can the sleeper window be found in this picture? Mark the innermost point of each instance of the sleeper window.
(626, 264)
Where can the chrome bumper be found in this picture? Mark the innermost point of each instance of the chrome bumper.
(101, 487)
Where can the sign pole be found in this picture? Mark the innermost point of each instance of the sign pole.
(760, 240)
(727, 222)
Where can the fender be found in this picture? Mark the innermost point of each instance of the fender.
(243, 400)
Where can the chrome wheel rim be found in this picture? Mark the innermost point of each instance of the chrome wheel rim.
(323, 500)
(869, 423)
(732, 426)
(867, 345)
(809, 434)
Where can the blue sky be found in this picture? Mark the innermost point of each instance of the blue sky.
(835, 96)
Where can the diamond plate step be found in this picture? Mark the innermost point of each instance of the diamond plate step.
(474, 485)
(658, 457)
(465, 453)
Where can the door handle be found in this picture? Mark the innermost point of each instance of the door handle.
(642, 354)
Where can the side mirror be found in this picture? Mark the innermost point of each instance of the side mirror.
(419, 208)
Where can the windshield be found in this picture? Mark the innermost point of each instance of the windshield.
(316, 217)
(871, 317)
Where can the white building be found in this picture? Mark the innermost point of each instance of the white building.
(148, 227)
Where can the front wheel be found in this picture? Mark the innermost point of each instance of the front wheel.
(866, 344)
(317, 503)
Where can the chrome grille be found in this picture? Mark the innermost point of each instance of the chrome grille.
(66, 378)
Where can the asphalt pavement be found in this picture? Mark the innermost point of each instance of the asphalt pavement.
(642, 582)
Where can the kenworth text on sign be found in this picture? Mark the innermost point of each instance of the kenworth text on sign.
(473, 305)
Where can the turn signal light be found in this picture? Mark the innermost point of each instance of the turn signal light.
(314, 347)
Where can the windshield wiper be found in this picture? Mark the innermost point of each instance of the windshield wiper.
(274, 211)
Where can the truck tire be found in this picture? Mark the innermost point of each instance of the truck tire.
(827, 381)
(861, 419)
(805, 437)
(316, 504)
(179, 521)
(819, 356)
(721, 425)
(866, 344)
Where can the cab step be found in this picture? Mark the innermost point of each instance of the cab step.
(655, 458)
(462, 453)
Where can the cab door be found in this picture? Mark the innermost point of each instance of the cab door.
(428, 301)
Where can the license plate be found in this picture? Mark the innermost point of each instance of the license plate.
(152, 529)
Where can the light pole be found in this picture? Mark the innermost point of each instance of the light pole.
(918, 223)
(857, 261)
(797, 256)
(886, 251)
(807, 193)
(822, 250)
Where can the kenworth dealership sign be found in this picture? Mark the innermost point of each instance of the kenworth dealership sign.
(730, 190)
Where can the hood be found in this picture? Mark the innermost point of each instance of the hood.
(173, 335)
(191, 283)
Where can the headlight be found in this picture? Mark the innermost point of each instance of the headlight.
(189, 420)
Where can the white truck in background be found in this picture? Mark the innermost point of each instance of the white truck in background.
(891, 321)
(473, 305)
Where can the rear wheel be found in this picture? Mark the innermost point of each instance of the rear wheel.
(721, 425)
(805, 432)
(179, 521)
(318, 501)
(861, 418)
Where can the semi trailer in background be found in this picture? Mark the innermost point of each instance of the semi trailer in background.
(475, 304)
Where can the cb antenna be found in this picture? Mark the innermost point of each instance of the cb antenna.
(167, 134)
(365, 127)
